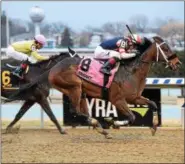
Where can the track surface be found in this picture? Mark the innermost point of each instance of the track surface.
(84, 145)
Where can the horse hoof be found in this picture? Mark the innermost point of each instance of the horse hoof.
(4, 132)
(153, 130)
(94, 122)
(63, 132)
(8, 130)
(16, 129)
(108, 136)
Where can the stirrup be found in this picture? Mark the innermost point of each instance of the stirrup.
(16, 74)
(104, 72)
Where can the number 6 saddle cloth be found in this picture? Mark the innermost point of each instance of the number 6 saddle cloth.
(89, 70)
(8, 80)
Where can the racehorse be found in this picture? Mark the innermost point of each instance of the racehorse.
(126, 87)
(37, 94)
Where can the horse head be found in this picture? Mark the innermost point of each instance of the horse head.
(164, 53)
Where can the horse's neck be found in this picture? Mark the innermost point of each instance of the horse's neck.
(43, 68)
(143, 68)
(38, 69)
(46, 65)
(139, 73)
(53, 61)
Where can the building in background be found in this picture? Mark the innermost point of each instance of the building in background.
(95, 40)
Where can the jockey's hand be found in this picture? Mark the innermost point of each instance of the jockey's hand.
(138, 53)
(135, 51)
(31, 60)
(121, 50)
(47, 57)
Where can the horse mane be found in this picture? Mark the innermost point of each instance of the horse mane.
(158, 38)
(128, 66)
(142, 49)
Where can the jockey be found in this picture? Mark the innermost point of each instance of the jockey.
(26, 50)
(116, 49)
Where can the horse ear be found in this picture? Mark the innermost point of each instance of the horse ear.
(71, 51)
(26, 61)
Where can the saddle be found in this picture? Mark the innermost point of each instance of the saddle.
(89, 70)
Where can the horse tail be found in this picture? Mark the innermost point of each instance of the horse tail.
(28, 86)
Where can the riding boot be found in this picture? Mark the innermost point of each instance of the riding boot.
(20, 70)
(108, 66)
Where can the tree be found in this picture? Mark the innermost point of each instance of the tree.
(17, 27)
(84, 39)
(115, 28)
(66, 38)
(158, 70)
(52, 28)
(160, 22)
(140, 21)
(173, 29)
(3, 30)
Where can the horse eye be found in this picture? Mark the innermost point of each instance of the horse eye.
(165, 48)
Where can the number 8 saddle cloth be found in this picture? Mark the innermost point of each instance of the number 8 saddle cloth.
(89, 70)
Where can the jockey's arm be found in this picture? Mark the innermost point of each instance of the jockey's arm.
(39, 57)
(125, 55)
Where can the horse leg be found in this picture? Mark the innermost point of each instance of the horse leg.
(45, 105)
(91, 121)
(79, 103)
(83, 110)
(27, 104)
(71, 86)
(123, 108)
(143, 101)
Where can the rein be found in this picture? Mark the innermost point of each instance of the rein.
(50, 62)
(158, 46)
(160, 51)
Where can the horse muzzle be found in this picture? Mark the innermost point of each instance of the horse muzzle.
(174, 63)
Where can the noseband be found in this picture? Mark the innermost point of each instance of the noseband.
(160, 51)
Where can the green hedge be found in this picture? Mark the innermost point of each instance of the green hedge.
(158, 70)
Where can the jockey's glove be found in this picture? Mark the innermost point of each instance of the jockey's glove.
(135, 51)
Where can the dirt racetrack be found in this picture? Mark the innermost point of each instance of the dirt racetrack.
(86, 146)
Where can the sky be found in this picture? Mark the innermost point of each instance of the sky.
(80, 14)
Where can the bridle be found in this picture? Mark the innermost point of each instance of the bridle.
(160, 51)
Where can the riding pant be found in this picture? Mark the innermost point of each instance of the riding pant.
(101, 53)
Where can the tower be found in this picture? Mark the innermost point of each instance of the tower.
(37, 15)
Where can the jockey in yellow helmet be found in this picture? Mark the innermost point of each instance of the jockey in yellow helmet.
(26, 50)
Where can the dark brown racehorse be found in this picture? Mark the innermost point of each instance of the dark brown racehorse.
(63, 78)
(37, 94)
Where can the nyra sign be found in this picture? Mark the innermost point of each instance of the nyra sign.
(101, 108)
